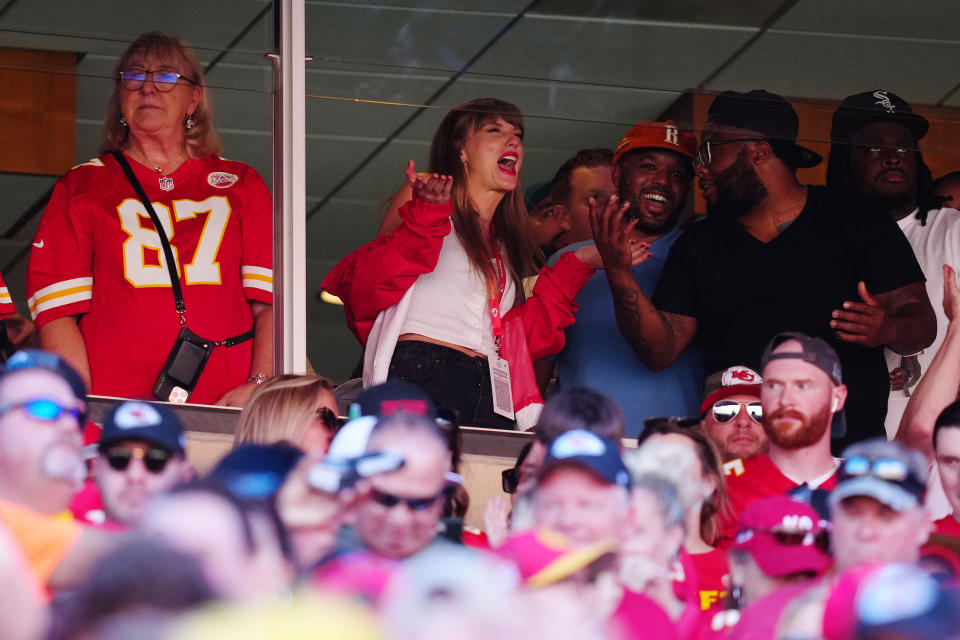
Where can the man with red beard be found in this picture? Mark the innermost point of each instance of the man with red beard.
(801, 392)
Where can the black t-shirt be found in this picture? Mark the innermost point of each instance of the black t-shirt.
(743, 291)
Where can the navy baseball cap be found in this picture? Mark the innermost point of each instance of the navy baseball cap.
(588, 451)
(138, 420)
(885, 471)
(27, 359)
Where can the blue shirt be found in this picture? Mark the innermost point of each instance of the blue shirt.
(598, 357)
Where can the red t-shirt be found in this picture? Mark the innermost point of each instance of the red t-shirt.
(97, 254)
(760, 619)
(947, 527)
(712, 578)
(639, 617)
(755, 478)
(6, 302)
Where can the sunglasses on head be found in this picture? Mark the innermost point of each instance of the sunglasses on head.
(44, 409)
(154, 458)
(791, 537)
(389, 500)
(727, 410)
(886, 469)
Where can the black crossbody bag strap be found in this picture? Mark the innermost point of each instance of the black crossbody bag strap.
(168, 252)
(164, 243)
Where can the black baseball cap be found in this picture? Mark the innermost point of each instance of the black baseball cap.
(816, 351)
(396, 395)
(138, 420)
(767, 114)
(861, 109)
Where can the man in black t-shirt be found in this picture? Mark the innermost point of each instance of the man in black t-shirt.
(775, 255)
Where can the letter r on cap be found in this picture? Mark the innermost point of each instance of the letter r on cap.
(673, 135)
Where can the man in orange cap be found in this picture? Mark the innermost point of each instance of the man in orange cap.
(652, 170)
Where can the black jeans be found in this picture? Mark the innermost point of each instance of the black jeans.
(454, 379)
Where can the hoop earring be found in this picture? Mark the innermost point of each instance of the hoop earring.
(123, 121)
(189, 123)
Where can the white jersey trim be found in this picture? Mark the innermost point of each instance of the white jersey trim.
(257, 278)
(59, 294)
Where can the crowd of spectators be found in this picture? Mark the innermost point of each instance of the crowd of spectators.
(740, 427)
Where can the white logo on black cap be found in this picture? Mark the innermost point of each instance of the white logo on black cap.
(884, 100)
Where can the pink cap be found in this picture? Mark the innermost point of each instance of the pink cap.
(783, 536)
(544, 556)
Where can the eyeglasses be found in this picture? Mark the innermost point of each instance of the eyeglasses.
(389, 500)
(791, 537)
(44, 409)
(704, 157)
(327, 417)
(727, 410)
(162, 80)
(154, 459)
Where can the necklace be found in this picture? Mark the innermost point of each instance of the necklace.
(166, 182)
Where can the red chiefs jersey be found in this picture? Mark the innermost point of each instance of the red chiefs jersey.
(754, 478)
(712, 571)
(97, 254)
(6, 302)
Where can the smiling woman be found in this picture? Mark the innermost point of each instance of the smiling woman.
(439, 301)
(158, 251)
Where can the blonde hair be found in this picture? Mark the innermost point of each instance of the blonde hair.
(280, 409)
(201, 139)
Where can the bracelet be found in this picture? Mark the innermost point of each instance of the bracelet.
(259, 378)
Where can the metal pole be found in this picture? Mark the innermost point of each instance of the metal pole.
(289, 188)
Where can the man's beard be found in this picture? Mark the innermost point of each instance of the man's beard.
(809, 432)
(647, 225)
(739, 189)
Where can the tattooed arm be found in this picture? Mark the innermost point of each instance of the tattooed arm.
(658, 338)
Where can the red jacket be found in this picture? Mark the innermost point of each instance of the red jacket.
(375, 277)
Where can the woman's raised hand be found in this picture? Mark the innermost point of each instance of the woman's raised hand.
(433, 189)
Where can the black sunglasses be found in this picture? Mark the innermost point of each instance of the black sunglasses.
(154, 459)
(328, 418)
(389, 500)
(704, 157)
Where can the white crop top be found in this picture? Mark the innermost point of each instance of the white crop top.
(450, 303)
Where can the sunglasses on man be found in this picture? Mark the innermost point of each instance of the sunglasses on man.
(44, 409)
(154, 459)
(389, 500)
(726, 410)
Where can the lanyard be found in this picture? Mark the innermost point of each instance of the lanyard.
(494, 300)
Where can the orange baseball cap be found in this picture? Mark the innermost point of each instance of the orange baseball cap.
(657, 135)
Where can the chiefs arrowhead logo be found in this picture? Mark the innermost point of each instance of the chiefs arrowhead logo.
(221, 179)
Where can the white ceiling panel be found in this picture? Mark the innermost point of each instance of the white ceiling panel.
(627, 54)
(745, 13)
(928, 19)
(108, 25)
(832, 67)
(411, 38)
